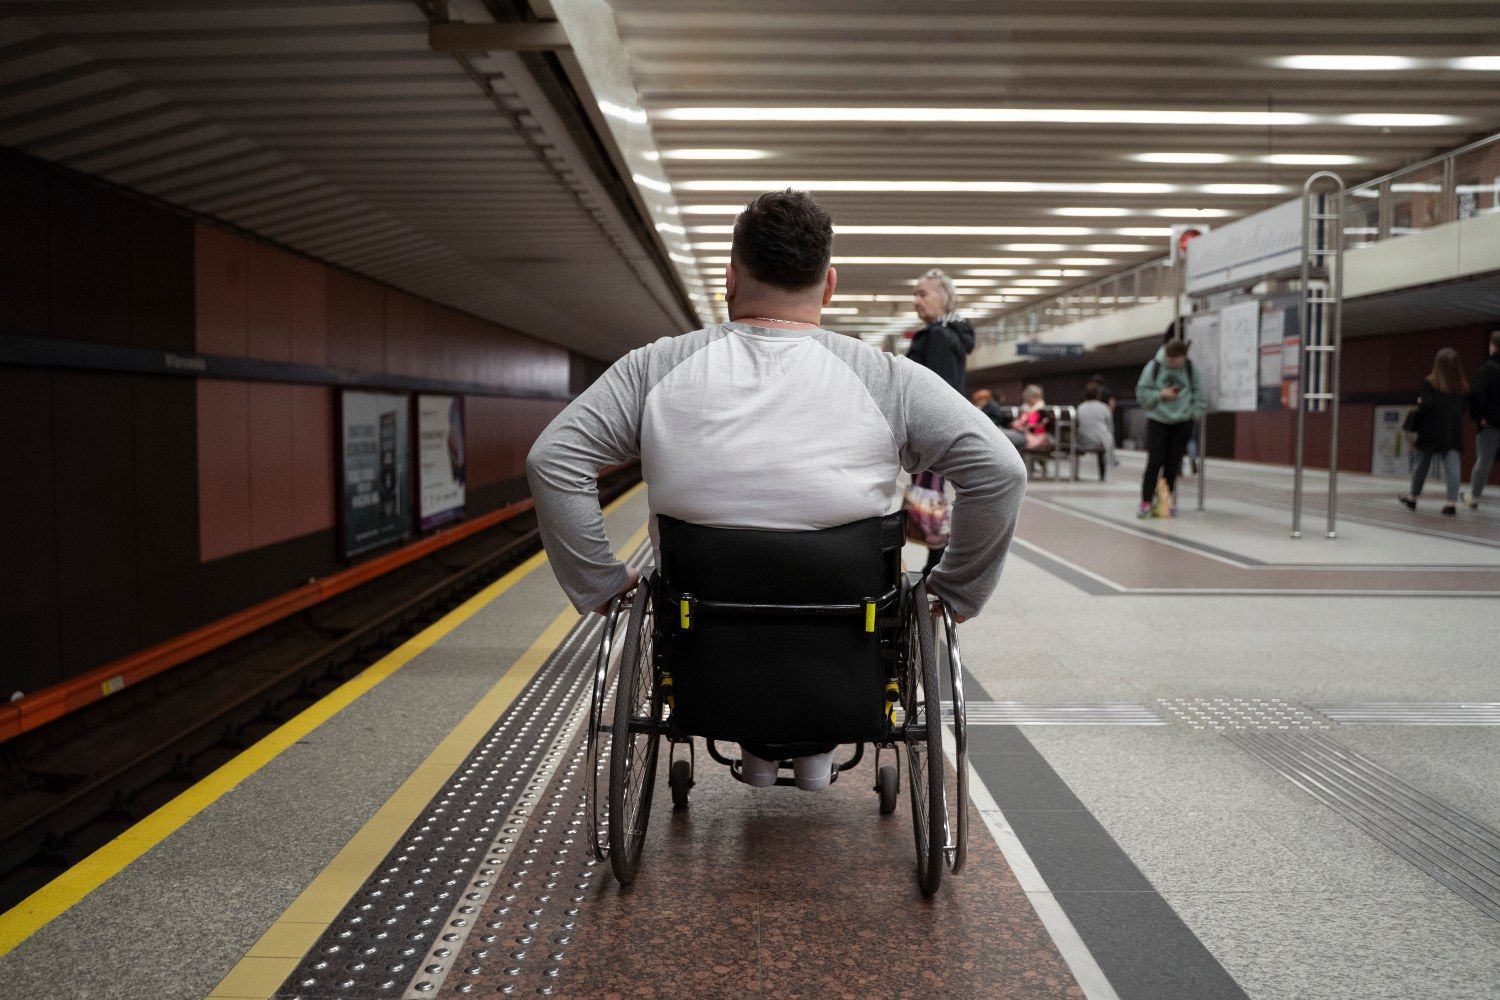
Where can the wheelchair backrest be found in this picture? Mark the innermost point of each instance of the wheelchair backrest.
(773, 675)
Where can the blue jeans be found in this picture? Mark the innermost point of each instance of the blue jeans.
(1450, 472)
(1486, 444)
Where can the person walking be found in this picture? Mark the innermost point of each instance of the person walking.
(942, 346)
(1484, 407)
(1172, 398)
(1438, 423)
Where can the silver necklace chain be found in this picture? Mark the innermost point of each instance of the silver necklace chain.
(772, 319)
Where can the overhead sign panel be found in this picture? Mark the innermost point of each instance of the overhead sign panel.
(1243, 252)
(1037, 349)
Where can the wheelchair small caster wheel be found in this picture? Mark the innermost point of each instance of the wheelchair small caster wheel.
(680, 779)
(885, 784)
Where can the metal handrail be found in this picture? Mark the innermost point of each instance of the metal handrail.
(1012, 324)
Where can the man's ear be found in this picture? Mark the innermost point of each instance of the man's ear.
(830, 282)
(728, 281)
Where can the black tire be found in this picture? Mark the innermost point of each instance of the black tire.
(921, 700)
(887, 784)
(601, 730)
(632, 764)
(680, 779)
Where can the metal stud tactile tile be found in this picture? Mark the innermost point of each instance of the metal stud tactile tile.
(399, 932)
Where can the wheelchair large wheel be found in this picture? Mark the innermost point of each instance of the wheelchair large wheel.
(600, 731)
(921, 702)
(636, 737)
(957, 849)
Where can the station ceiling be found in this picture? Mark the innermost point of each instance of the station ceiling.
(1071, 133)
(1024, 145)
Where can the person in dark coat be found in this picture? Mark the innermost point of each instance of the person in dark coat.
(943, 345)
(992, 408)
(1484, 407)
(1438, 423)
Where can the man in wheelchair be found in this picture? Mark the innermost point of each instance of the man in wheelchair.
(769, 422)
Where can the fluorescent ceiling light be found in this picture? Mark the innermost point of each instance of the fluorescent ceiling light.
(667, 227)
(1086, 261)
(1244, 189)
(1063, 116)
(714, 154)
(1191, 213)
(712, 210)
(840, 311)
(935, 187)
(1182, 157)
(1037, 247)
(652, 184)
(1312, 159)
(981, 282)
(1038, 282)
(935, 261)
(989, 273)
(1484, 63)
(1346, 62)
(1383, 120)
(1145, 231)
(722, 245)
(1093, 213)
(1120, 247)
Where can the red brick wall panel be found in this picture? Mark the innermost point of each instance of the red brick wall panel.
(223, 468)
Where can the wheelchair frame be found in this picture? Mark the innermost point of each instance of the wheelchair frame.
(619, 804)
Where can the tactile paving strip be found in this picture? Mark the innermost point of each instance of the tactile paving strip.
(1455, 849)
(398, 935)
(1230, 714)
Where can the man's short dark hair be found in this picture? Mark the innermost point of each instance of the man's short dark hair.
(1091, 391)
(784, 239)
(1177, 348)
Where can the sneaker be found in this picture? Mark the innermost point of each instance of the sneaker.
(1469, 499)
(1144, 510)
(757, 771)
(1449, 510)
(1409, 500)
(814, 772)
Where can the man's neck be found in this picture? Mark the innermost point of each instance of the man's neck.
(782, 313)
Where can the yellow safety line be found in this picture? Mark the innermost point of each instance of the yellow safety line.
(63, 892)
(276, 955)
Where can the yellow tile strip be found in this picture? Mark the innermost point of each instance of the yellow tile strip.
(63, 892)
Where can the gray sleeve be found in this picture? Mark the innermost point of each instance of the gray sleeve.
(941, 431)
(598, 429)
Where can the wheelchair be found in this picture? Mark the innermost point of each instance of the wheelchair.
(789, 642)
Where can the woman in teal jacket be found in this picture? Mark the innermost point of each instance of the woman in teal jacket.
(1169, 392)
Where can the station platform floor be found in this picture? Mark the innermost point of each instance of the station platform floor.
(1207, 761)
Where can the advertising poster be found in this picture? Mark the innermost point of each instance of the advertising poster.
(440, 459)
(1390, 451)
(1239, 356)
(1272, 329)
(376, 440)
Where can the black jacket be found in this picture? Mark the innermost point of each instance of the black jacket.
(944, 347)
(1440, 417)
(1484, 393)
(996, 414)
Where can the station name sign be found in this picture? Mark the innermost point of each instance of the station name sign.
(1037, 349)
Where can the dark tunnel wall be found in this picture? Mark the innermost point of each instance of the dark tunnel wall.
(137, 507)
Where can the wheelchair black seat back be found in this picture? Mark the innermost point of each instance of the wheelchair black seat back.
(746, 669)
(789, 642)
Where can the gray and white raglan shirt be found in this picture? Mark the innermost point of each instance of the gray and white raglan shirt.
(740, 426)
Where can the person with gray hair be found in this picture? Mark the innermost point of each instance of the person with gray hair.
(945, 343)
(942, 346)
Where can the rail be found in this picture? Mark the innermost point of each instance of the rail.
(51, 703)
(1460, 184)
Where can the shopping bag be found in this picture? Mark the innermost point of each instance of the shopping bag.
(929, 516)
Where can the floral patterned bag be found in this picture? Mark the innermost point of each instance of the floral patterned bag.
(929, 516)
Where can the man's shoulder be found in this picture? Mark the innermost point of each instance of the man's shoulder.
(654, 360)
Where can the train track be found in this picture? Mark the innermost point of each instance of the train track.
(70, 787)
